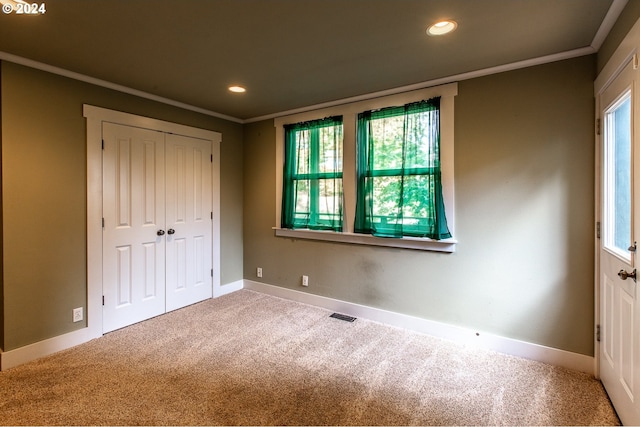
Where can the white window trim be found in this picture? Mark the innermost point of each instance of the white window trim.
(349, 112)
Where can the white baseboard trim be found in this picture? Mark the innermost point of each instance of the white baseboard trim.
(19, 356)
(553, 356)
(28, 353)
(228, 288)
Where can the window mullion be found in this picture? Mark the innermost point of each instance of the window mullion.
(314, 185)
(349, 177)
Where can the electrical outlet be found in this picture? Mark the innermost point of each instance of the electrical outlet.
(77, 314)
(305, 280)
(259, 272)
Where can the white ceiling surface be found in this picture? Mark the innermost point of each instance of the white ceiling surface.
(292, 54)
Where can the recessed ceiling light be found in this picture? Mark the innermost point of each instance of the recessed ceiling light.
(442, 27)
(237, 89)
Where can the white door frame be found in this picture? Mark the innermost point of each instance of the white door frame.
(627, 51)
(94, 118)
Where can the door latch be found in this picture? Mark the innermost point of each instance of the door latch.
(625, 275)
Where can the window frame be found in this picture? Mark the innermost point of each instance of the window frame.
(349, 112)
(313, 175)
(374, 168)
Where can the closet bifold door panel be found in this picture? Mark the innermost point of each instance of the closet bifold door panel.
(188, 221)
(157, 204)
(134, 212)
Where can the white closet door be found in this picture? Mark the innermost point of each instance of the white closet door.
(134, 213)
(188, 220)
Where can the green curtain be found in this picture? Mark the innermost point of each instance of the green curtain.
(312, 180)
(399, 189)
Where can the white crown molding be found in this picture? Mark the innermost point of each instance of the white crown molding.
(603, 31)
(436, 82)
(430, 83)
(608, 22)
(4, 56)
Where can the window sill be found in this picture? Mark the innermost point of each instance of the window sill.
(447, 245)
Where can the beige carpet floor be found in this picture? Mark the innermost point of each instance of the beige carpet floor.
(252, 359)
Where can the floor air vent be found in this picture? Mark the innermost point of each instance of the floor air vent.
(343, 317)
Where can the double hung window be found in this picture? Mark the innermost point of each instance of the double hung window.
(370, 174)
(399, 186)
(312, 191)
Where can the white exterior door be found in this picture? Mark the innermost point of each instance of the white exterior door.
(189, 221)
(157, 236)
(620, 232)
(133, 212)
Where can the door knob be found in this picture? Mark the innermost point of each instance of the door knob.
(171, 231)
(160, 233)
(624, 275)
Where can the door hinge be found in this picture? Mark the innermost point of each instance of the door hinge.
(598, 333)
(103, 144)
(102, 222)
(212, 272)
(211, 215)
(212, 158)
(102, 299)
(635, 61)
(598, 124)
(598, 229)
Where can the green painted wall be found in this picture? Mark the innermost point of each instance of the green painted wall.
(524, 179)
(524, 193)
(44, 196)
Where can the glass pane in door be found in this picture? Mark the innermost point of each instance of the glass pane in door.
(617, 221)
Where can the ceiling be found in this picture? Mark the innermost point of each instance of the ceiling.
(290, 54)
